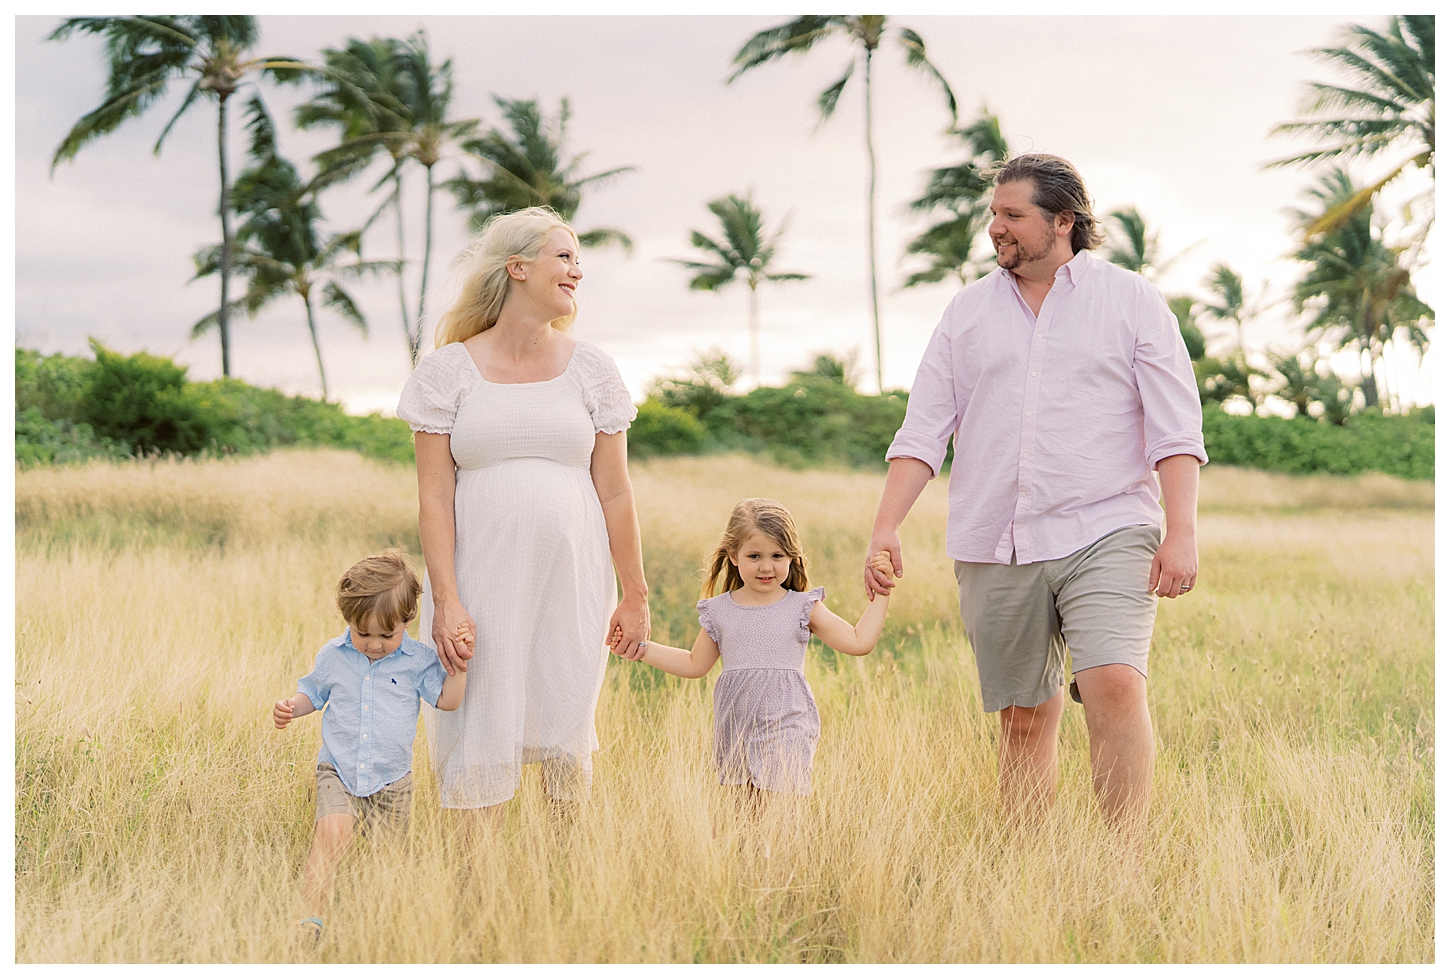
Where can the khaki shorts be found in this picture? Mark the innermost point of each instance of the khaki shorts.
(388, 807)
(1023, 619)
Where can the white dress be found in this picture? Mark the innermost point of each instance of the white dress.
(533, 568)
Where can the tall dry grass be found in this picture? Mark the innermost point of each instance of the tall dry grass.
(159, 817)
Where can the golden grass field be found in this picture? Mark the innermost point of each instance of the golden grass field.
(162, 607)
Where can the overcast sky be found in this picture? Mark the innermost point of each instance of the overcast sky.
(1170, 114)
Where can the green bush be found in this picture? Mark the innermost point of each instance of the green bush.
(661, 430)
(144, 401)
(811, 419)
(42, 441)
(1400, 445)
(68, 409)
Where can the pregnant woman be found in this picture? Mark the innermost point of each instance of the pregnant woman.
(523, 499)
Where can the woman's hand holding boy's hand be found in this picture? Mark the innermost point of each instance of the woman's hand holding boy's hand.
(453, 633)
(282, 713)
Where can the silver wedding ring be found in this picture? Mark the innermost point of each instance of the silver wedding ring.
(1184, 587)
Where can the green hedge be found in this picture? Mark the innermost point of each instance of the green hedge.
(1401, 445)
(69, 409)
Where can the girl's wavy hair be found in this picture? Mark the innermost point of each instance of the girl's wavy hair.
(484, 269)
(1057, 188)
(382, 585)
(772, 520)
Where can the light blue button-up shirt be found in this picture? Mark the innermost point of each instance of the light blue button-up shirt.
(372, 708)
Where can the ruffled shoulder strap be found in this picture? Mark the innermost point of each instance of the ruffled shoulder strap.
(808, 602)
(435, 389)
(706, 608)
(605, 395)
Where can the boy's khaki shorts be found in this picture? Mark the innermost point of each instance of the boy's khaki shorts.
(388, 807)
(1022, 619)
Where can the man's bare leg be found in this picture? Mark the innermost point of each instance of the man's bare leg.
(1027, 758)
(1120, 744)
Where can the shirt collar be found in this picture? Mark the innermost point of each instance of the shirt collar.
(1076, 268)
(346, 640)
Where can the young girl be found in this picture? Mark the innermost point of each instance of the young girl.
(766, 723)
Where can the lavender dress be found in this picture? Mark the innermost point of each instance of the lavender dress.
(766, 723)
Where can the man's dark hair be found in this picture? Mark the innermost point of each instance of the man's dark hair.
(1057, 188)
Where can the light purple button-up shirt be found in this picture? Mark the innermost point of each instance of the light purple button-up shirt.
(1059, 419)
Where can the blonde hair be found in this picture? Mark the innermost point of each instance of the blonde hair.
(484, 268)
(382, 585)
(769, 518)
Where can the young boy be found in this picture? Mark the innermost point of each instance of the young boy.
(370, 678)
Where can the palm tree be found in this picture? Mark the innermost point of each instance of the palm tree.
(1388, 102)
(745, 253)
(1227, 289)
(389, 95)
(526, 168)
(1355, 286)
(1132, 246)
(360, 97)
(866, 32)
(961, 191)
(144, 55)
(279, 246)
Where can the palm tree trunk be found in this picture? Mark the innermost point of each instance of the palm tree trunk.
(402, 289)
(754, 337)
(316, 347)
(223, 327)
(427, 253)
(871, 224)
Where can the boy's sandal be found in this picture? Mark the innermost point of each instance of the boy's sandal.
(312, 928)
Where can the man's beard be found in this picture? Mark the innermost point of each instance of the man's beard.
(1022, 254)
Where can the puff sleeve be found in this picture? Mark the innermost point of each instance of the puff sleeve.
(707, 619)
(430, 398)
(808, 603)
(605, 395)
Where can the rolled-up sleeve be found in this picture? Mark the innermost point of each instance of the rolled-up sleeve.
(931, 410)
(317, 685)
(1172, 415)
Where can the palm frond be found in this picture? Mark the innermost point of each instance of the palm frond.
(600, 237)
(793, 37)
(334, 297)
(826, 101)
(916, 58)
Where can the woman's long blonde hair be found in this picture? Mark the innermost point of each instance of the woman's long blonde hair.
(484, 269)
(772, 520)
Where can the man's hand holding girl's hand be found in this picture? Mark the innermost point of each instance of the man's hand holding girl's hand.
(881, 575)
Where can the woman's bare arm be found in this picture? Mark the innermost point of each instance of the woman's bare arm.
(609, 468)
(437, 481)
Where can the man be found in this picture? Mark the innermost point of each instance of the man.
(1065, 383)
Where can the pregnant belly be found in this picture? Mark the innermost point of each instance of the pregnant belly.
(528, 502)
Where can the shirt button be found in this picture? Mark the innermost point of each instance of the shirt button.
(361, 766)
(365, 737)
(365, 706)
(1034, 373)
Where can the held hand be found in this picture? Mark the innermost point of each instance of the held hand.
(282, 713)
(1175, 567)
(631, 620)
(880, 578)
(453, 637)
